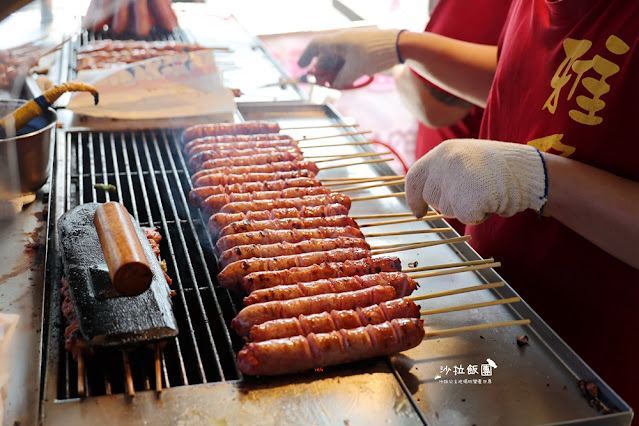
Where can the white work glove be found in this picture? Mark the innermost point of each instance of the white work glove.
(353, 53)
(470, 179)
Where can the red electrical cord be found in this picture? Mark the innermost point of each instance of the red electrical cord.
(399, 157)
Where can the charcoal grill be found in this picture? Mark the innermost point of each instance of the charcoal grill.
(149, 174)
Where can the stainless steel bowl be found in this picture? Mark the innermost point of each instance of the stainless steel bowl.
(24, 159)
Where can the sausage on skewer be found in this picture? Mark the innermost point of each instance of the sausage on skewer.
(301, 353)
(298, 203)
(248, 251)
(280, 166)
(201, 193)
(198, 158)
(219, 221)
(287, 223)
(208, 178)
(250, 140)
(231, 276)
(219, 146)
(271, 236)
(402, 283)
(250, 160)
(253, 127)
(326, 322)
(266, 279)
(213, 203)
(261, 312)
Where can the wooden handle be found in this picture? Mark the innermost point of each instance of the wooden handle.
(128, 266)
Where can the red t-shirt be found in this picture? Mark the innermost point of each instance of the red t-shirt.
(477, 21)
(567, 82)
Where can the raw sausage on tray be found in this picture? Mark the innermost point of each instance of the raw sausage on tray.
(402, 283)
(301, 353)
(220, 220)
(326, 322)
(267, 279)
(231, 276)
(262, 312)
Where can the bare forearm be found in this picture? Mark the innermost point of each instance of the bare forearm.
(464, 69)
(600, 206)
(428, 104)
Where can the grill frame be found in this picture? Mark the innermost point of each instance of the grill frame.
(152, 181)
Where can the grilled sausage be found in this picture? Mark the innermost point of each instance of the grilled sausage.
(326, 322)
(128, 266)
(297, 203)
(196, 159)
(231, 276)
(219, 146)
(280, 166)
(271, 236)
(261, 312)
(214, 203)
(249, 160)
(220, 220)
(248, 251)
(250, 128)
(207, 178)
(238, 140)
(301, 353)
(121, 17)
(287, 223)
(267, 279)
(403, 284)
(198, 194)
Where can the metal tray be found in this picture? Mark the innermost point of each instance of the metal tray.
(534, 384)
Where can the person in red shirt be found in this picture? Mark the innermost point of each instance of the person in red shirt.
(552, 187)
(441, 115)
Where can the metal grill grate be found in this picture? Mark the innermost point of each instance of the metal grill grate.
(150, 177)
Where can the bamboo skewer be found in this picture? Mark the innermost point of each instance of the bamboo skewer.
(81, 381)
(469, 306)
(449, 265)
(338, 144)
(456, 291)
(412, 219)
(130, 388)
(402, 247)
(475, 328)
(375, 216)
(379, 160)
(456, 270)
(352, 180)
(304, 139)
(158, 369)
(373, 185)
(375, 197)
(345, 156)
(416, 231)
(320, 126)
